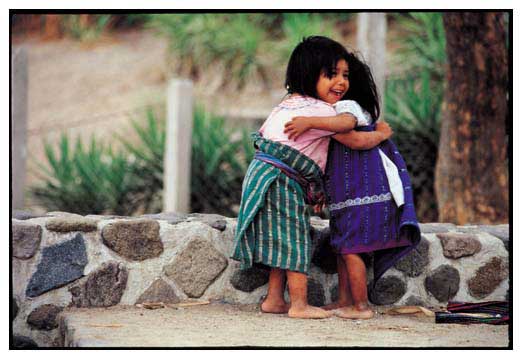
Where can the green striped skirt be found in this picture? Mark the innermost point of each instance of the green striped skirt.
(273, 222)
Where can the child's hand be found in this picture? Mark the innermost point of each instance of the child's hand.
(296, 127)
(385, 129)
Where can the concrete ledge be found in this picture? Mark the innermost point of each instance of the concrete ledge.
(225, 325)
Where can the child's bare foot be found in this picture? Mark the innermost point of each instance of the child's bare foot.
(274, 307)
(308, 312)
(336, 305)
(352, 312)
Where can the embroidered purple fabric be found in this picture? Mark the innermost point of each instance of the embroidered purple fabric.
(363, 215)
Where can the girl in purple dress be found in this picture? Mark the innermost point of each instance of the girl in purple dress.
(369, 198)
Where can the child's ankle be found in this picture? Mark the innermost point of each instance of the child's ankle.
(361, 306)
(298, 305)
(274, 300)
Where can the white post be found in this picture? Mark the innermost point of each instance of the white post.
(371, 42)
(178, 144)
(19, 78)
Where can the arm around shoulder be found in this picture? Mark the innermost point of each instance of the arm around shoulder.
(365, 140)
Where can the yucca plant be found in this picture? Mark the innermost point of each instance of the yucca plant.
(97, 179)
(413, 108)
(202, 40)
(424, 44)
(147, 162)
(297, 26)
(82, 180)
(413, 101)
(218, 166)
(85, 27)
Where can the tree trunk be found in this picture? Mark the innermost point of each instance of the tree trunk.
(52, 27)
(471, 179)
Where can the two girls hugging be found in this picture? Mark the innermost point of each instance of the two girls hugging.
(359, 175)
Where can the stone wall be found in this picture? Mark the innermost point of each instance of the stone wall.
(62, 260)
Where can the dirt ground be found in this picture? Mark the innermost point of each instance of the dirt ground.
(225, 325)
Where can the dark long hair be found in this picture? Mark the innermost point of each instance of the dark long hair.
(362, 86)
(319, 54)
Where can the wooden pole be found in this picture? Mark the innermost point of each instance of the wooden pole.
(371, 42)
(19, 81)
(176, 187)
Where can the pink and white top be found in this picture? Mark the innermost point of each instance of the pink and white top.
(312, 143)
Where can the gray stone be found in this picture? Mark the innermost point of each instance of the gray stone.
(60, 264)
(22, 342)
(455, 245)
(213, 220)
(436, 227)
(443, 283)
(136, 240)
(71, 224)
(23, 215)
(108, 216)
(388, 290)
(323, 256)
(102, 288)
(247, 280)
(334, 293)
(14, 308)
(413, 263)
(414, 300)
(62, 214)
(488, 277)
(26, 239)
(196, 267)
(501, 231)
(44, 317)
(170, 217)
(315, 293)
(159, 291)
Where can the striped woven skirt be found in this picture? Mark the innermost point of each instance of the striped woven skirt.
(273, 223)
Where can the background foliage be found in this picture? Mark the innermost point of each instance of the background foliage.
(413, 103)
(96, 179)
(131, 180)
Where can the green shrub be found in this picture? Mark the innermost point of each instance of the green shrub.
(203, 40)
(99, 180)
(219, 163)
(146, 167)
(413, 108)
(413, 102)
(245, 45)
(424, 44)
(297, 26)
(84, 27)
(82, 180)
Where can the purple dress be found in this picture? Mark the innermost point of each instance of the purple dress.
(363, 215)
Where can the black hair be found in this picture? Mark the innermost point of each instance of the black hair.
(319, 54)
(362, 87)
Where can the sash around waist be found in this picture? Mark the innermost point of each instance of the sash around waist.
(307, 187)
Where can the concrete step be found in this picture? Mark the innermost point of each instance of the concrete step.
(225, 325)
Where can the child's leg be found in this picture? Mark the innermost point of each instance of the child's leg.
(299, 307)
(274, 301)
(345, 296)
(357, 278)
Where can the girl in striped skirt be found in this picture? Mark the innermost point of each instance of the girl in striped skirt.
(286, 174)
(369, 195)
